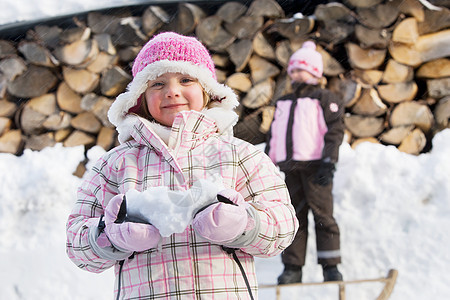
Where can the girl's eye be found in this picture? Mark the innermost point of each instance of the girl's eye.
(156, 84)
(186, 80)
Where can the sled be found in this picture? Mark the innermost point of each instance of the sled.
(389, 281)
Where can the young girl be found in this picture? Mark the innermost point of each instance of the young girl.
(304, 141)
(181, 207)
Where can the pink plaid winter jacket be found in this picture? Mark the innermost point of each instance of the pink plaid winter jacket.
(184, 266)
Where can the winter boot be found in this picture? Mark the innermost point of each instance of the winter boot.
(331, 273)
(291, 274)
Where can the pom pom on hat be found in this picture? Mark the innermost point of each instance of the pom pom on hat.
(308, 59)
(309, 44)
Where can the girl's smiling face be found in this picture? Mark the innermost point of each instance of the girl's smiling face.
(171, 93)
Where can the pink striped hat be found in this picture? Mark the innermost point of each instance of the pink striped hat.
(308, 59)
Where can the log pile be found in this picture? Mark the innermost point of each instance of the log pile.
(389, 60)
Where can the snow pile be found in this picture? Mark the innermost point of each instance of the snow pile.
(38, 191)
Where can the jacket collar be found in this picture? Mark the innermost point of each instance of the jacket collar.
(222, 97)
(189, 128)
(223, 119)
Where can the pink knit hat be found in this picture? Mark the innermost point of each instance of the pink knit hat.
(308, 59)
(170, 52)
(174, 47)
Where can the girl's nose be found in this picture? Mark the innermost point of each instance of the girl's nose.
(173, 89)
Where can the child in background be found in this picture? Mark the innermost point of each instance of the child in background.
(304, 141)
(178, 163)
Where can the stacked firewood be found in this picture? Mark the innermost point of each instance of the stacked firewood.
(387, 59)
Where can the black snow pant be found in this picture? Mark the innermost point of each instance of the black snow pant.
(306, 195)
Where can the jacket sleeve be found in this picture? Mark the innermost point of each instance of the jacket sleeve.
(333, 112)
(96, 189)
(268, 135)
(260, 183)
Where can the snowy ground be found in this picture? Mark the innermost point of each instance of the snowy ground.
(392, 209)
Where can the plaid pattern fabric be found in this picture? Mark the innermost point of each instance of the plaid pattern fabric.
(184, 266)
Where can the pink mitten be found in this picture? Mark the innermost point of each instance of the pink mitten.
(224, 221)
(128, 236)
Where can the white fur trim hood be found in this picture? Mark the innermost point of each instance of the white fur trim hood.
(223, 99)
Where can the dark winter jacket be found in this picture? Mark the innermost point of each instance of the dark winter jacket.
(307, 126)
